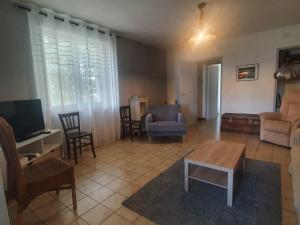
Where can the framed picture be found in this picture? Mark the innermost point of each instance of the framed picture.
(247, 72)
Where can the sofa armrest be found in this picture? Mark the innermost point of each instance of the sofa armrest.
(295, 133)
(181, 118)
(297, 137)
(149, 118)
(270, 116)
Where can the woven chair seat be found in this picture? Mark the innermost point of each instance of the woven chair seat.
(45, 170)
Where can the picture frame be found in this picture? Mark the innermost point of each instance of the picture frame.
(247, 72)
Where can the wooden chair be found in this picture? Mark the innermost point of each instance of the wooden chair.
(25, 184)
(75, 138)
(128, 124)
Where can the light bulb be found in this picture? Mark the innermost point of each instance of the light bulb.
(200, 36)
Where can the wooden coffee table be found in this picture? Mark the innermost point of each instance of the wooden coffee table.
(216, 162)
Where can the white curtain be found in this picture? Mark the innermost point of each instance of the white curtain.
(75, 69)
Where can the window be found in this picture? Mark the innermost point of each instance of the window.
(75, 70)
(75, 67)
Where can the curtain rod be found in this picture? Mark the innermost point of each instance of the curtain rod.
(24, 7)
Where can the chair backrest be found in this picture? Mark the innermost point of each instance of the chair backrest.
(125, 113)
(164, 112)
(15, 176)
(290, 107)
(70, 122)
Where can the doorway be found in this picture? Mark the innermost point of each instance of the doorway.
(213, 90)
(200, 90)
(209, 91)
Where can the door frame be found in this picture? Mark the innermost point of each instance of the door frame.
(276, 67)
(205, 63)
(207, 96)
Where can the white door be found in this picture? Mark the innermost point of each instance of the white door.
(188, 91)
(213, 90)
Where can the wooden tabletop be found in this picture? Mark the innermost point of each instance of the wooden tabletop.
(219, 153)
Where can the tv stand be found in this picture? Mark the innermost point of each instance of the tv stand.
(34, 135)
(45, 144)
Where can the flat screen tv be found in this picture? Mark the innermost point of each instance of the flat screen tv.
(25, 117)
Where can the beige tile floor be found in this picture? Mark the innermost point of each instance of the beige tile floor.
(120, 169)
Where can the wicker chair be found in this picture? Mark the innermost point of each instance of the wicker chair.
(25, 184)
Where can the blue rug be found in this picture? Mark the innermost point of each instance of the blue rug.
(257, 201)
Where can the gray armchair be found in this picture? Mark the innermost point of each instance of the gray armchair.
(165, 120)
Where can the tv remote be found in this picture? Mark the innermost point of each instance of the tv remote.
(46, 132)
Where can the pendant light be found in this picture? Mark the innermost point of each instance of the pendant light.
(202, 35)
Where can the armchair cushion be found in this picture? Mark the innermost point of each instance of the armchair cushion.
(278, 126)
(164, 112)
(166, 126)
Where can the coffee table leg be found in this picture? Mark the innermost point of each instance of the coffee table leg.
(244, 161)
(186, 176)
(230, 188)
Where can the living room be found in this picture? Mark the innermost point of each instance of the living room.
(150, 112)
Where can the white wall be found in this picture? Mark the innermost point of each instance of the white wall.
(241, 97)
(188, 90)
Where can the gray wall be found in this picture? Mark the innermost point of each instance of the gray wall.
(142, 71)
(16, 71)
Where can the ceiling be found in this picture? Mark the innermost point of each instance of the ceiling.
(170, 23)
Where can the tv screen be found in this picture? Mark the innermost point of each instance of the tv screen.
(25, 117)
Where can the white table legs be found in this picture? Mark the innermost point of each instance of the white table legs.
(230, 184)
(186, 176)
(230, 188)
(230, 181)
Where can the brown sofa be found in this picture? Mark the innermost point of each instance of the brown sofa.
(279, 127)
